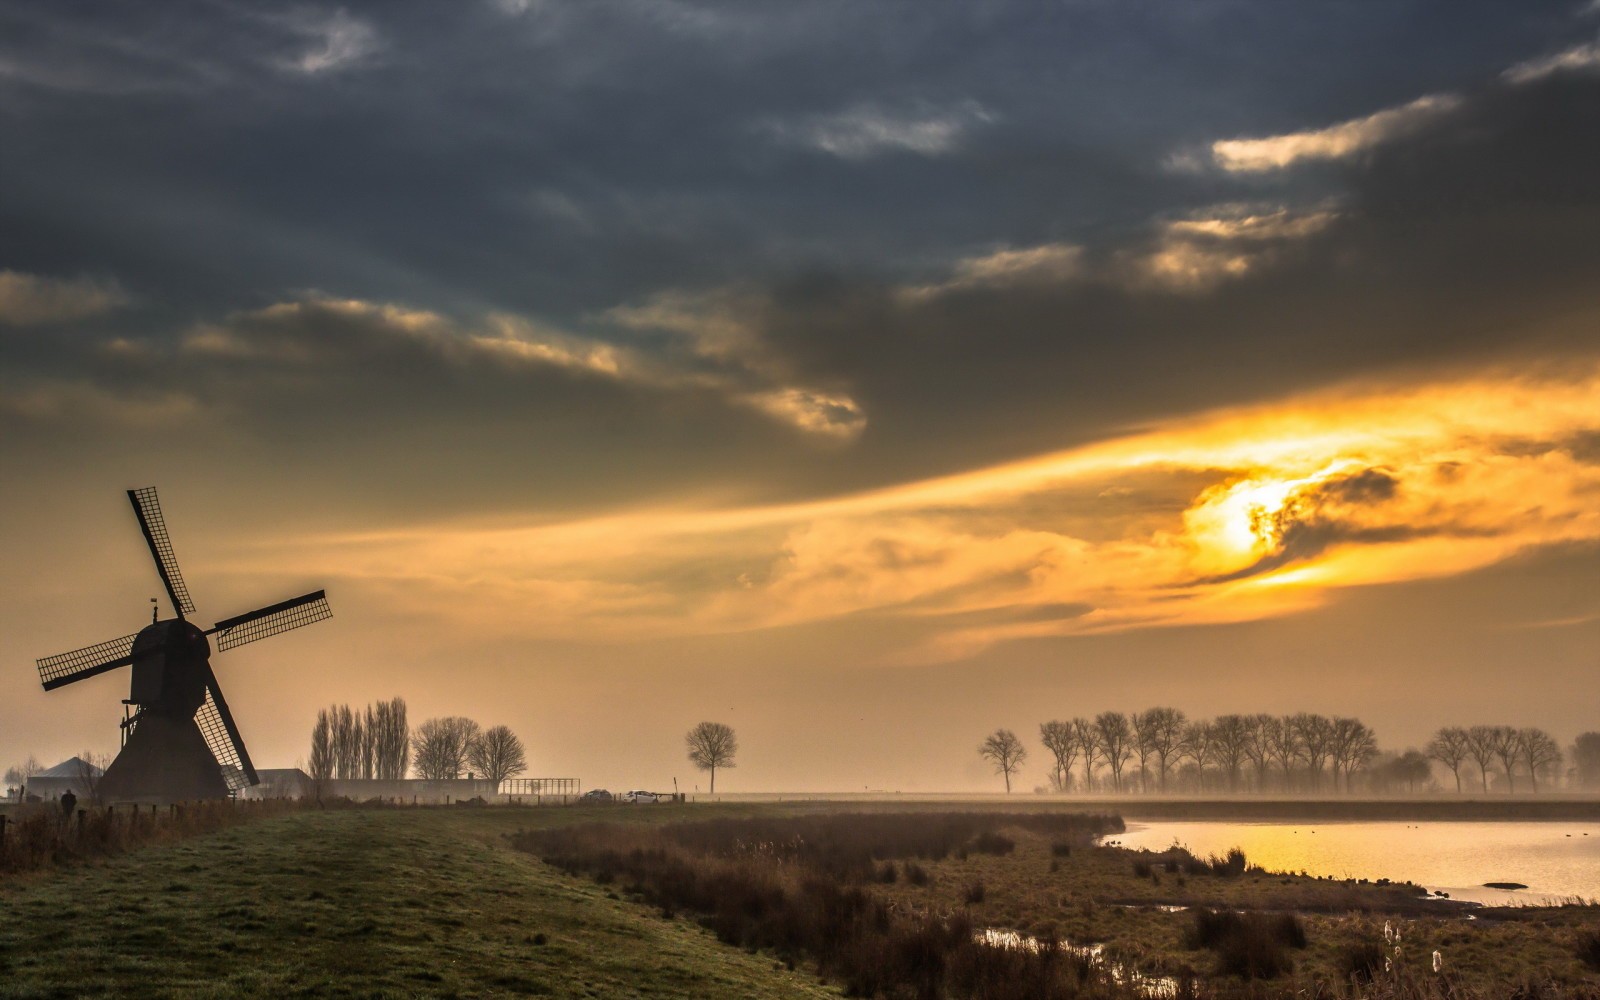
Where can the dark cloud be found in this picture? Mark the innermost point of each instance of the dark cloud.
(215, 161)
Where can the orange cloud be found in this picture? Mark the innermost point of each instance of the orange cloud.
(1225, 516)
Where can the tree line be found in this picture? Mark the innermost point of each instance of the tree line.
(1162, 750)
(377, 743)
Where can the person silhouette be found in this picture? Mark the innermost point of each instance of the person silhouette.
(69, 802)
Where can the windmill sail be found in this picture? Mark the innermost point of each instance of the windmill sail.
(66, 668)
(291, 614)
(222, 737)
(154, 526)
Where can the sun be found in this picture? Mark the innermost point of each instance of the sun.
(1235, 523)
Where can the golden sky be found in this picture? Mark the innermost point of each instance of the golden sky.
(615, 368)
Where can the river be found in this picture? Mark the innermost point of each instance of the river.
(1556, 860)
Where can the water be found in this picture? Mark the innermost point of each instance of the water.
(1556, 860)
(1150, 986)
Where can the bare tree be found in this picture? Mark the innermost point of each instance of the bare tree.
(497, 754)
(440, 747)
(1539, 751)
(1089, 746)
(367, 752)
(1351, 744)
(1144, 733)
(1507, 747)
(711, 745)
(346, 738)
(391, 739)
(91, 767)
(1166, 738)
(322, 762)
(17, 775)
(1315, 735)
(1258, 746)
(1480, 747)
(1115, 743)
(1285, 743)
(1231, 734)
(1002, 749)
(1449, 747)
(1198, 744)
(1062, 742)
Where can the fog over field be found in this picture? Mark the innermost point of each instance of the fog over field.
(864, 381)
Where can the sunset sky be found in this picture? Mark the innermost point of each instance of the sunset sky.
(865, 376)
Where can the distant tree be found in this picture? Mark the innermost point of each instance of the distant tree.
(1144, 734)
(1168, 728)
(1199, 745)
(1449, 747)
(1115, 743)
(440, 746)
(391, 740)
(17, 775)
(1258, 745)
(1285, 742)
(497, 755)
(322, 763)
(1062, 742)
(346, 737)
(1539, 751)
(91, 767)
(1088, 747)
(367, 739)
(1410, 769)
(1002, 749)
(711, 745)
(1507, 748)
(1480, 747)
(1232, 736)
(1314, 734)
(1585, 760)
(1351, 745)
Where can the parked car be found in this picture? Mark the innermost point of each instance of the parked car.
(641, 797)
(597, 795)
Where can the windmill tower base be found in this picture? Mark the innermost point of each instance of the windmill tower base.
(164, 760)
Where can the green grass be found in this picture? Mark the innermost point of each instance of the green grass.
(359, 903)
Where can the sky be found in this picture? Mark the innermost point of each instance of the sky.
(864, 376)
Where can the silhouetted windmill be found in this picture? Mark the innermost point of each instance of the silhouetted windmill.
(182, 743)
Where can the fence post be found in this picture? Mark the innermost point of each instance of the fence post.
(2, 834)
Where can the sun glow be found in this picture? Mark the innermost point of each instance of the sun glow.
(1223, 517)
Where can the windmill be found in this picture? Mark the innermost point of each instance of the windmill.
(181, 742)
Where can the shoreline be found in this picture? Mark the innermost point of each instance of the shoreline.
(1470, 808)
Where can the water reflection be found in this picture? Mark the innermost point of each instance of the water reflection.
(1150, 986)
(1556, 860)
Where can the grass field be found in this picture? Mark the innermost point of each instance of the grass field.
(356, 903)
(437, 903)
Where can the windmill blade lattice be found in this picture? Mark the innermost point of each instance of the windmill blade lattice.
(222, 739)
(291, 614)
(148, 508)
(65, 668)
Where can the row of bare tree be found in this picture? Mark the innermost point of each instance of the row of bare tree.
(452, 746)
(378, 743)
(1161, 747)
(1533, 748)
(1304, 751)
(348, 743)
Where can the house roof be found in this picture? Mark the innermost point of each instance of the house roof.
(72, 767)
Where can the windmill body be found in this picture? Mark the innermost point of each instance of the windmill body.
(182, 742)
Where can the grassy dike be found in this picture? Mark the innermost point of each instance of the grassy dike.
(358, 903)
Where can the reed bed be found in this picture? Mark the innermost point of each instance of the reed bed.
(853, 896)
